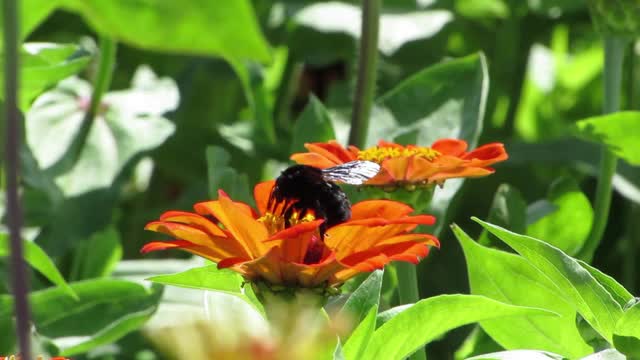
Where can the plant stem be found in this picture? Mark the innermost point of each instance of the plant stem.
(408, 289)
(103, 76)
(101, 84)
(367, 71)
(613, 61)
(19, 270)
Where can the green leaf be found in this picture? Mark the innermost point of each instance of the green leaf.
(518, 354)
(360, 337)
(430, 318)
(39, 260)
(184, 28)
(36, 11)
(626, 336)
(617, 131)
(206, 278)
(98, 256)
(446, 100)
(104, 311)
(210, 278)
(569, 225)
(508, 209)
(387, 315)
(222, 176)
(313, 125)
(576, 284)
(43, 65)
(513, 280)
(129, 124)
(619, 293)
(365, 297)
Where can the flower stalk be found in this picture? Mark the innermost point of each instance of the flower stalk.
(614, 47)
(367, 72)
(19, 270)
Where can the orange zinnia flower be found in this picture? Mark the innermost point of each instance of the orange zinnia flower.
(266, 246)
(410, 165)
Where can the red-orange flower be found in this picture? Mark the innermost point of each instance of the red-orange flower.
(264, 246)
(409, 165)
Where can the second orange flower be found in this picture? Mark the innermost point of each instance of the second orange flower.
(409, 166)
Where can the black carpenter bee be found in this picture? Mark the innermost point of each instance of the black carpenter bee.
(304, 188)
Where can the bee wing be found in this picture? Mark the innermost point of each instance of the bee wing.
(352, 173)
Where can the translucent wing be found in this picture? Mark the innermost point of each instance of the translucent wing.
(353, 172)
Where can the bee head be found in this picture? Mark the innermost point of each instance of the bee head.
(296, 181)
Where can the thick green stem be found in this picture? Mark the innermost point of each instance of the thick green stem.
(19, 270)
(613, 62)
(104, 74)
(367, 71)
(407, 283)
(408, 289)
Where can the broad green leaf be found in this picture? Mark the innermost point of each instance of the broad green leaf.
(33, 13)
(387, 315)
(185, 28)
(619, 293)
(617, 131)
(446, 100)
(43, 65)
(223, 176)
(365, 297)
(513, 280)
(210, 278)
(128, 125)
(206, 278)
(313, 125)
(569, 225)
(104, 311)
(98, 256)
(334, 16)
(576, 284)
(626, 336)
(518, 355)
(430, 318)
(360, 337)
(39, 260)
(508, 209)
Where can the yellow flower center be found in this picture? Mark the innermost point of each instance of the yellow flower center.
(276, 222)
(380, 153)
